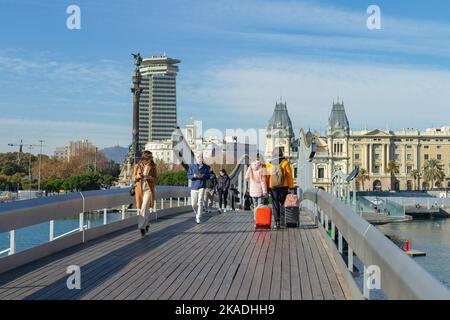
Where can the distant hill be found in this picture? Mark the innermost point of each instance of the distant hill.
(116, 154)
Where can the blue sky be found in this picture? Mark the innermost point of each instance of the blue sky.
(238, 58)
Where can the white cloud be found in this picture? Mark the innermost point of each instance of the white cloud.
(246, 90)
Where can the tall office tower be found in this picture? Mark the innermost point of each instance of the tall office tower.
(158, 101)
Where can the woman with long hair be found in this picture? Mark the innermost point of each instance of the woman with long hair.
(145, 178)
(258, 187)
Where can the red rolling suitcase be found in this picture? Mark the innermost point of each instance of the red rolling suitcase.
(263, 217)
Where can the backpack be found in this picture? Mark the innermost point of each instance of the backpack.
(277, 176)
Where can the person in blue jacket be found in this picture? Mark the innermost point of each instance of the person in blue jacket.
(198, 173)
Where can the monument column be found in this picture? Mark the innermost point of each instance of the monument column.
(136, 90)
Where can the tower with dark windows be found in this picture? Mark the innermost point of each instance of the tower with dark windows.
(158, 100)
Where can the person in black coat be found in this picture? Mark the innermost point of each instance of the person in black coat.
(223, 185)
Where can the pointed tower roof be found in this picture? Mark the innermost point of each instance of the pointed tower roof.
(338, 118)
(280, 119)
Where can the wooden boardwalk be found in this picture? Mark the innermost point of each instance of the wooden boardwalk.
(222, 258)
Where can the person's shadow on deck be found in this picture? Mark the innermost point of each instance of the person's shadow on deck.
(105, 267)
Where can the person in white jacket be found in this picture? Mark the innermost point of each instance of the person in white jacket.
(258, 187)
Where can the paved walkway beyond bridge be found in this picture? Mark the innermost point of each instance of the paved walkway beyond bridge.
(222, 258)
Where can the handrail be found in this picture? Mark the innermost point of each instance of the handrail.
(24, 213)
(401, 277)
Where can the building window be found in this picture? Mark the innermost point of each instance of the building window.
(408, 169)
(356, 156)
(409, 156)
(426, 157)
(439, 156)
(376, 169)
(321, 173)
(396, 156)
(426, 147)
(377, 156)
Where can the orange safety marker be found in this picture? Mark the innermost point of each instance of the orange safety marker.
(408, 246)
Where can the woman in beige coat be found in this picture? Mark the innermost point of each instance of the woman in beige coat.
(145, 178)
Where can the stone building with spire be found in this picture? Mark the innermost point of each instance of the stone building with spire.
(377, 152)
(280, 133)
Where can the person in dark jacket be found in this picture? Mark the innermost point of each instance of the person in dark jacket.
(198, 173)
(211, 184)
(223, 184)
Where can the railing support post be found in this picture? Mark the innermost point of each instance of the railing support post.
(52, 230)
(340, 242)
(105, 216)
(366, 290)
(81, 221)
(162, 203)
(178, 202)
(12, 242)
(154, 205)
(170, 202)
(123, 212)
(350, 259)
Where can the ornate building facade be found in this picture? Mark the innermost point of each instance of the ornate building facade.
(373, 150)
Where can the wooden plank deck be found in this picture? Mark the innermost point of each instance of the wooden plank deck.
(222, 258)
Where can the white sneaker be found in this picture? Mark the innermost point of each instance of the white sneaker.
(224, 210)
(197, 219)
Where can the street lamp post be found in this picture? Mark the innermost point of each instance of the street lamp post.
(40, 160)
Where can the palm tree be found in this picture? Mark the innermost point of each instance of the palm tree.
(415, 175)
(362, 176)
(392, 168)
(432, 171)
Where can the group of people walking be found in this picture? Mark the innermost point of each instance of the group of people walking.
(273, 178)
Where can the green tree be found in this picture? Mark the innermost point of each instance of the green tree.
(362, 177)
(392, 169)
(173, 178)
(415, 175)
(433, 172)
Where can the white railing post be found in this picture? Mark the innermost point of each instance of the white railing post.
(123, 212)
(52, 230)
(81, 221)
(170, 202)
(185, 201)
(154, 205)
(350, 259)
(366, 290)
(12, 242)
(105, 216)
(162, 203)
(340, 242)
(178, 202)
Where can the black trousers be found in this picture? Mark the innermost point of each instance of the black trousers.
(278, 198)
(223, 197)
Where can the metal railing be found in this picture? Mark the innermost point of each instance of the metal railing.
(25, 213)
(400, 277)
